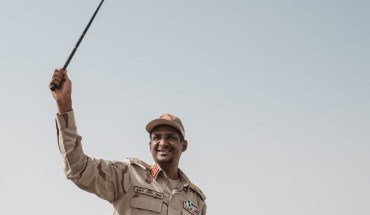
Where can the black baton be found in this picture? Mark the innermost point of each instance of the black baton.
(54, 86)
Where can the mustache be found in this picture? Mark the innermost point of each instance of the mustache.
(160, 148)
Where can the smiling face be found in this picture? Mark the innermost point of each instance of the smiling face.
(166, 145)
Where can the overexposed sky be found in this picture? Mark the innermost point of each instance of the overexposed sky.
(274, 97)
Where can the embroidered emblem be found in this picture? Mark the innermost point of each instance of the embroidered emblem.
(167, 117)
(148, 192)
(154, 170)
(191, 207)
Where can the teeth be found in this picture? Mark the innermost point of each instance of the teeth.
(164, 150)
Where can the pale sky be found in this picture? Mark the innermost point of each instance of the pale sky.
(274, 97)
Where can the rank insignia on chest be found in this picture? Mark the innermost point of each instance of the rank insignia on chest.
(192, 208)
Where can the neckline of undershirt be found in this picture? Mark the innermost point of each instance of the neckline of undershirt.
(174, 183)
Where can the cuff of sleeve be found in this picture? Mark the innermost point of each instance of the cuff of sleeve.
(65, 120)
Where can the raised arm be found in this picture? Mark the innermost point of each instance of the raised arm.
(104, 178)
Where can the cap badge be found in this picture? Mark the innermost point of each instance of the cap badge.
(167, 117)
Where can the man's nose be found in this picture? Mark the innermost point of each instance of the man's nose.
(163, 141)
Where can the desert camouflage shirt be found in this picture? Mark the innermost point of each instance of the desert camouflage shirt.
(132, 187)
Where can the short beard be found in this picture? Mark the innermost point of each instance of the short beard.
(165, 161)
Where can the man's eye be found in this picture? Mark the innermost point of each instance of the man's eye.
(171, 138)
(156, 138)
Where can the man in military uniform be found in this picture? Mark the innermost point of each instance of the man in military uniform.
(132, 187)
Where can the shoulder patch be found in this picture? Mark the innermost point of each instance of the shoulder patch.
(197, 190)
(138, 162)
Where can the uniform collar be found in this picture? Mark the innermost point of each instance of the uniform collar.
(155, 170)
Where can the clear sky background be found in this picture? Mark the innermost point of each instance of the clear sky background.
(274, 96)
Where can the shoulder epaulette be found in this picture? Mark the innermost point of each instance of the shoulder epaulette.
(139, 162)
(197, 190)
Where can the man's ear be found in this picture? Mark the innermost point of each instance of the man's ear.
(184, 145)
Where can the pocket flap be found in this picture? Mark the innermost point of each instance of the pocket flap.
(147, 203)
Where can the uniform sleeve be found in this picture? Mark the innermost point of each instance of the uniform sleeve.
(204, 209)
(106, 179)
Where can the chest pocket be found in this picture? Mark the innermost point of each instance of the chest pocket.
(146, 205)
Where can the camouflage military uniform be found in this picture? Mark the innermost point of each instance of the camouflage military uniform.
(132, 187)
